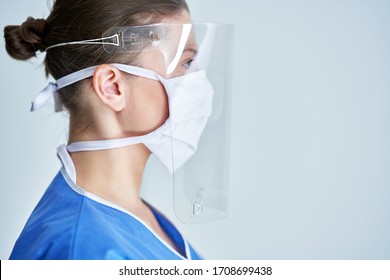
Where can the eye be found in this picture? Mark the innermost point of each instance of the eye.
(187, 64)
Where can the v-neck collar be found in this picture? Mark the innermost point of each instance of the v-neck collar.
(68, 171)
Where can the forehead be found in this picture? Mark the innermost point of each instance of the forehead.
(181, 18)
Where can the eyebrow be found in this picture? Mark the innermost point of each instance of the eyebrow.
(195, 51)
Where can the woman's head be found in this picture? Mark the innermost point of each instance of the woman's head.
(74, 20)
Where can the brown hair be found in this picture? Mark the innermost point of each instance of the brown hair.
(74, 20)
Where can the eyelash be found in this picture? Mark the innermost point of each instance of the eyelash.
(187, 64)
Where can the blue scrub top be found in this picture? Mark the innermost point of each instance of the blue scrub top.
(68, 223)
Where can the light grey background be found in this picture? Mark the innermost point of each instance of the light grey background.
(310, 139)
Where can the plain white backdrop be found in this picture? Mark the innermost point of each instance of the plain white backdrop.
(310, 138)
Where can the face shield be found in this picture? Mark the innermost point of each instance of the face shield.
(193, 62)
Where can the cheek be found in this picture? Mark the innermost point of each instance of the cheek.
(153, 104)
(147, 108)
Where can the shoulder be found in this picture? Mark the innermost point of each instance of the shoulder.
(66, 224)
(49, 230)
(62, 224)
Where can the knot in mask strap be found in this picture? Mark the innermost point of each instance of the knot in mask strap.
(43, 96)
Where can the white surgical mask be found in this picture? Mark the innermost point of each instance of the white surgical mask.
(190, 104)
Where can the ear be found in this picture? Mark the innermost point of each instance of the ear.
(106, 83)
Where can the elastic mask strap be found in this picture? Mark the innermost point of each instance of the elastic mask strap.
(103, 144)
(98, 145)
(67, 80)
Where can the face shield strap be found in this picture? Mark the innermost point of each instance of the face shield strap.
(109, 40)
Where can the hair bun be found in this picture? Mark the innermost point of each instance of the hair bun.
(22, 42)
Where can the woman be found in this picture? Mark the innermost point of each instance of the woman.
(120, 90)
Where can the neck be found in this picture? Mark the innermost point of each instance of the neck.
(114, 175)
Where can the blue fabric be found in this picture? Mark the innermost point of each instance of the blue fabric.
(68, 225)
